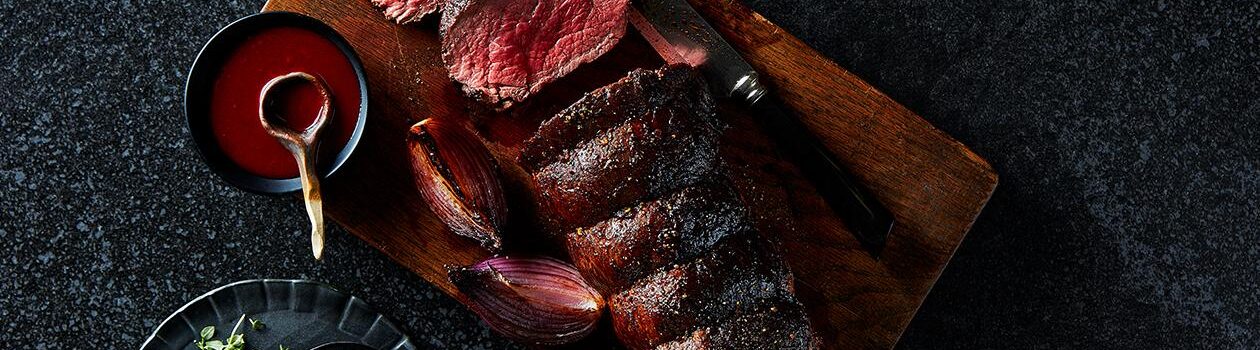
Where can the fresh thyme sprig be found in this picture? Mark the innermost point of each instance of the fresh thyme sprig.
(235, 341)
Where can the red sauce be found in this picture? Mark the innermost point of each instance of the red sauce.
(266, 55)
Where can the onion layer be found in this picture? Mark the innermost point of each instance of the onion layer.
(540, 301)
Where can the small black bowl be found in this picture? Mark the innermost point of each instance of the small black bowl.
(200, 86)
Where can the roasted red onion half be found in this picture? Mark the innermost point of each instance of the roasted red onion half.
(540, 301)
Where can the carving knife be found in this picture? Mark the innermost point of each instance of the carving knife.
(681, 35)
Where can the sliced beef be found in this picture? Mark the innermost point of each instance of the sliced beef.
(645, 157)
(630, 177)
(649, 134)
(675, 90)
(502, 51)
(648, 237)
(408, 11)
(737, 277)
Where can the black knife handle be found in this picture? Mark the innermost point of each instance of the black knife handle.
(869, 220)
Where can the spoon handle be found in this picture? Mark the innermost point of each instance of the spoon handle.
(303, 145)
(313, 197)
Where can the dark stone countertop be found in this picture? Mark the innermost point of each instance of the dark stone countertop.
(1124, 133)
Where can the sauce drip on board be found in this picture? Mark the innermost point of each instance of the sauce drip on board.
(259, 58)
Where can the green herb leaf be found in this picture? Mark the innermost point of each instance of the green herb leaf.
(215, 345)
(282, 347)
(257, 325)
(235, 341)
(207, 333)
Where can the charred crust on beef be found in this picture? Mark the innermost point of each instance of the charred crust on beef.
(674, 88)
(649, 134)
(737, 277)
(773, 327)
(503, 51)
(673, 229)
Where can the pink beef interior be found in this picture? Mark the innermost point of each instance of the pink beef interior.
(502, 51)
(407, 11)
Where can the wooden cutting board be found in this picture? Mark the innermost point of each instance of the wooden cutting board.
(934, 185)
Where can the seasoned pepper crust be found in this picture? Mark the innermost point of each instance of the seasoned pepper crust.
(737, 278)
(761, 327)
(637, 241)
(672, 89)
(638, 138)
(631, 177)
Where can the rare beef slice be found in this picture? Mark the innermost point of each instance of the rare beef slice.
(408, 11)
(503, 51)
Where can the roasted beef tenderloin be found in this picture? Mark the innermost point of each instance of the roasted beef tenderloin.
(630, 177)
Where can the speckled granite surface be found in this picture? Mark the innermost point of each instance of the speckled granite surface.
(1125, 135)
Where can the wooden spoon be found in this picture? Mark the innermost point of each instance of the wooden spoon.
(302, 145)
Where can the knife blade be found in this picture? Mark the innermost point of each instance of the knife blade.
(681, 35)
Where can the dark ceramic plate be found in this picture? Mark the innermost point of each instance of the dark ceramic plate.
(201, 82)
(299, 315)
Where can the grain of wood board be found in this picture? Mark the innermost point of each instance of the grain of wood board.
(934, 186)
